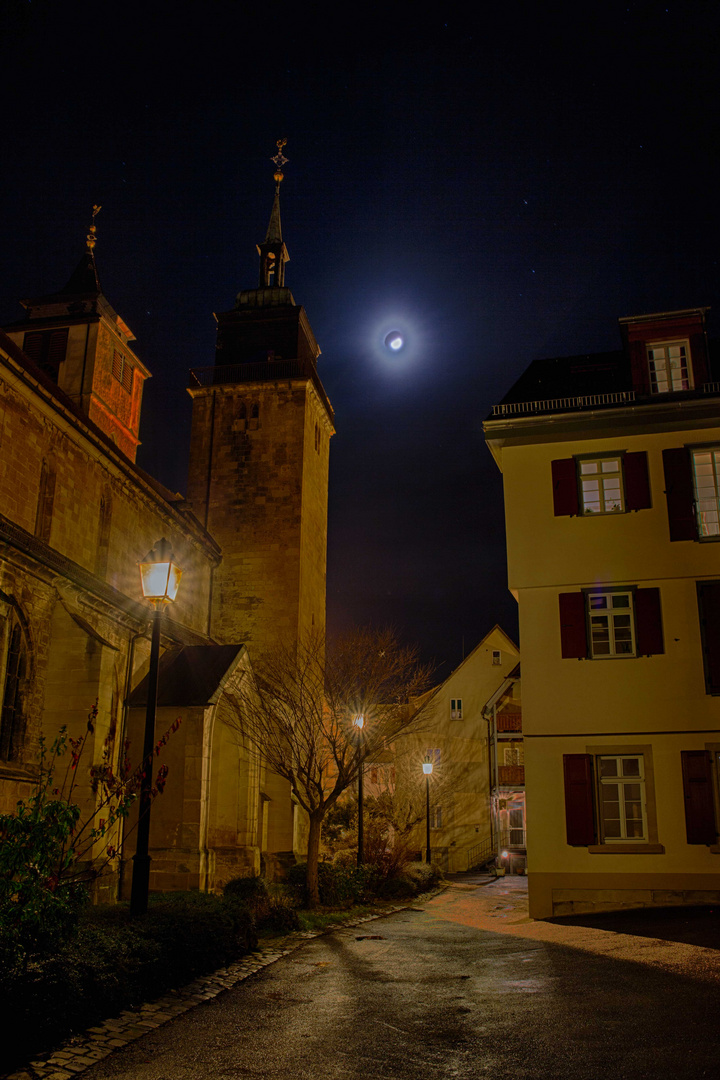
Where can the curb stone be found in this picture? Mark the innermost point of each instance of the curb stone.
(80, 1052)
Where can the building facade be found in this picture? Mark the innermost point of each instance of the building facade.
(610, 471)
(76, 517)
(503, 713)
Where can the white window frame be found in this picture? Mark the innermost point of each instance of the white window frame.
(496, 656)
(622, 783)
(707, 505)
(615, 614)
(456, 709)
(669, 373)
(610, 484)
(436, 817)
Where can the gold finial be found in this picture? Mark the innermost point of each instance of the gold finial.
(91, 237)
(279, 160)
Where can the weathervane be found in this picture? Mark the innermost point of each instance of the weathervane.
(91, 237)
(279, 160)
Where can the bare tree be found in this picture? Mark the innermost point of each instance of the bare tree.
(314, 714)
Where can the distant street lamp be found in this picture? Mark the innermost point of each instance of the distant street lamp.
(160, 577)
(359, 723)
(427, 769)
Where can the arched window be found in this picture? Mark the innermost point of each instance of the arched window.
(255, 412)
(240, 411)
(13, 669)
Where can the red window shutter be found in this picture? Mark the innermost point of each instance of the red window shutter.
(579, 810)
(565, 487)
(709, 606)
(639, 367)
(648, 622)
(679, 493)
(698, 359)
(637, 481)
(698, 793)
(573, 625)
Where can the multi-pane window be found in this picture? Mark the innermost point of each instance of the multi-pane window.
(706, 478)
(669, 367)
(612, 631)
(621, 782)
(436, 817)
(601, 486)
(432, 754)
(123, 371)
(456, 712)
(496, 656)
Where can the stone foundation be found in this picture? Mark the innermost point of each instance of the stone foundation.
(586, 901)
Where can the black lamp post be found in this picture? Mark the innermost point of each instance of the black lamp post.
(427, 769)
(359, 723)
(160, 577)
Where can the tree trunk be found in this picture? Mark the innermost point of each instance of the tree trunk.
(312, 884)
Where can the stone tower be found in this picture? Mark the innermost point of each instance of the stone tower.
(258, 478)
(80, 343)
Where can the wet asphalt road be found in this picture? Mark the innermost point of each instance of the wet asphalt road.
(465, 988)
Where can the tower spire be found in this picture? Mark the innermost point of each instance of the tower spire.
(273, 253)
(84, 278)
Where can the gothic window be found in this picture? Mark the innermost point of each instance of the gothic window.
(13, 670)
(254, 412)
(46, 497)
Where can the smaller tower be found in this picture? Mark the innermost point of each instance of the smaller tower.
(78, 341)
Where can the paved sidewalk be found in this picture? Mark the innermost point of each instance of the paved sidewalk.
(81, 1051)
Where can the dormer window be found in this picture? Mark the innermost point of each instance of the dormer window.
(670, 367)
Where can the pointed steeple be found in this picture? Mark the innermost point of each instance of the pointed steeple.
(84, 279)
(273, 253)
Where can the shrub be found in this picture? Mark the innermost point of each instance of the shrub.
(340, 886)
(115, 961)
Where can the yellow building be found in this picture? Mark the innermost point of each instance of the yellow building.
(610, 470)
(455, 740)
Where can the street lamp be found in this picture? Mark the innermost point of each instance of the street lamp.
(159, 577)
(427, 769)
(359, 722)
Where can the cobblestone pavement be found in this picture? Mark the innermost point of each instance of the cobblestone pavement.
(82, 1051)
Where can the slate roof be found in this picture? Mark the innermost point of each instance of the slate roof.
(190, 675)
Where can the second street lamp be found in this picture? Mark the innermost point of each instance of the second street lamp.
(427, 769)
(160, 578)
(359, 723)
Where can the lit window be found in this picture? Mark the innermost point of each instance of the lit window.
(436, 817)
(456, 709)
(433, 755)
(601, 486)
(621, 780)
(669, 367)
(706, 478)
(611, 624)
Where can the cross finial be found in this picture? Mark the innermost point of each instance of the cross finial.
(92, 231)
(279, 160)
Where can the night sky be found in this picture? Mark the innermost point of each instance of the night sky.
(498, 186)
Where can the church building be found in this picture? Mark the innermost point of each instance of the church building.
(77, 515)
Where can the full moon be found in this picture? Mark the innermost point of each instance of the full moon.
(394, 340)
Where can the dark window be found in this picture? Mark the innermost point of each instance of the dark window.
(579, 805)
(11, 722)
(709, 609)
(46, 498)
(698, 792)
(47, 348)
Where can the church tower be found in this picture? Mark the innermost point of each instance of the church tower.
(80, 343)
(259, 453)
